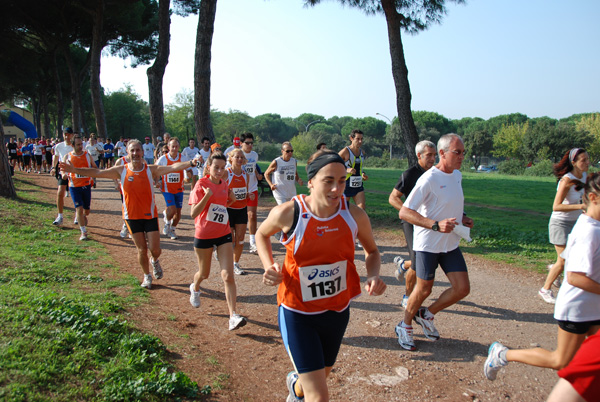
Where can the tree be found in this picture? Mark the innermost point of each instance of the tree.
(509, 139)
(591, 124)
(477, 145)
(202, 58)
(412, 16)
(126, 114)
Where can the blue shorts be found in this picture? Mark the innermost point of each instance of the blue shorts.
(427, 263)
(174, 199)
(82, 196)
(312, 340)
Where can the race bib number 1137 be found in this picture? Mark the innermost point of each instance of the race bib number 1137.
(322, 281)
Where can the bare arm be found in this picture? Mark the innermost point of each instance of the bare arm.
(395, 199)
(112, 173)
(160, 170)
(272, 167)
(374, 286)
(199, 207)
(564, 186)
(280, 218)
(582, 281)
(298, 179)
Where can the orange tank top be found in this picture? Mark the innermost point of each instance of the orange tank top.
(172, 182)
(318, 271)
(239, 186)
(138, 193)
(79, 161)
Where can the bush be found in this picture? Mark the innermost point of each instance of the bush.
(540, 169)
(511, 166)
(377, 162)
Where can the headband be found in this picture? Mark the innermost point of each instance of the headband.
(321, 161)
(572, 154)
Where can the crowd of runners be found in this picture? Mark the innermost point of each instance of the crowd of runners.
(318, 278)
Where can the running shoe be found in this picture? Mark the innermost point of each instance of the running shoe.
(494, 362)
(290, 381)
(83, 236)
(215, 254)
(405, 337)
(237, 270)
(429, 329)
(172, 234)
(400, 270)
(547, 296)
(58, 221)
(156, 269)
(253, 249)
(147, 283)
(195, 298)
(165, 220)
(124, 231)
(75, 221)
(557, 282)
(166, 229)
(236, 321)
(358, 244)
(404, 301)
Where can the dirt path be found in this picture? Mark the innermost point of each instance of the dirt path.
(251, 363)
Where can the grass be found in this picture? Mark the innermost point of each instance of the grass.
(62, 335)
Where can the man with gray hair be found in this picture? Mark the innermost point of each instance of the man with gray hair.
(425, 151)
(436, 206)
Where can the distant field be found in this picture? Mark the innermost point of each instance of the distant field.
(511, 213)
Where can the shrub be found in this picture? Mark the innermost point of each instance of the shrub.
(378, 162)
(540, 169)
(511, 166)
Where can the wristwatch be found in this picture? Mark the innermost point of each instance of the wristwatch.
(436, 226)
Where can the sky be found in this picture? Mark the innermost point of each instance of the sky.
(486, 58)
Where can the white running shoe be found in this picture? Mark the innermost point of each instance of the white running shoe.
(236, 321)
(404, 302)
(400, 270)
(547, 296)
(405, 337)
(237, 270)
(75, 221)
(124, 231)
(557, 282)
(290, 381)
(58, 221)
(166, 229)
(172, 234)
(165, 220)
(83, 236)
(156, 269)
(195, 297)
(215, 254)
(147, 283)
(429, 329)
(358, 244)
(253, 249)
(494, 362)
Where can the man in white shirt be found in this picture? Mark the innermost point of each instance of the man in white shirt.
(121, 147)
(435, 206)
(247, 143)
(148, 148)
(237, 142)
(60, 151)
(190, 153)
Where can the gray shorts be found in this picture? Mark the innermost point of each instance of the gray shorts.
(558, 231)
(427, 263)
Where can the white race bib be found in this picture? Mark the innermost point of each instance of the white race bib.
(173, 178)
(240, 193)
(355, 181)
(322, 281)
(218, 214)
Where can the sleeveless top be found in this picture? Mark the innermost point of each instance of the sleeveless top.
(238, 184)
(138, 193)
(79, 161)
(354, 162)
(318, 271)
(573, 197)
(284, 177)
(171, 182)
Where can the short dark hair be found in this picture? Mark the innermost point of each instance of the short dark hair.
(320, 144)
(246, 135)
(205, 139)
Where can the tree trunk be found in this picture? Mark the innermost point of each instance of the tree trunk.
(7, 187)
(75, 91)
(95, 55)
(156, 72)
(400, 74)
(45, 115)
(60, 106)
(204, 35)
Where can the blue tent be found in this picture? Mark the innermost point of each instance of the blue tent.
(23, 124)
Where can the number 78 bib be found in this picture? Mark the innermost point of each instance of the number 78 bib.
(217, 213)
(322, 281)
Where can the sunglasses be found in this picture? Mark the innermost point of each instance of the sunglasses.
(289, 151)
(463, 153)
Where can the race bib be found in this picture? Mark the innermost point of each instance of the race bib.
(355, 181)
(218, 214)
(240, 193)
(322, 281)
(249, 169)
(13, 151)
(173, 178)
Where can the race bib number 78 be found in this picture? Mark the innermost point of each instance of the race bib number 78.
(322, 281)
(218, 213)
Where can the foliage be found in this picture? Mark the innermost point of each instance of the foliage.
(126, 114)
(511, 167)
(386, 162)
(543, 168)
(179, 116)
(590, 123)
(509, 140)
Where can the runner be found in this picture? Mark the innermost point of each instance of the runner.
(571, 172)
(425, 151)
(354, 158)
(47, 155)
(237, 143)
(285, 175)
(121, 147)
(172, 188)
(122, 161)
(95, 150)
(139, 205)
(254, 177)
(27, 150)
(237, 179)
(190, 153)
(209, 209)
(60, 151)
(11, 148)
(149, 149)
(318, 278)
(109, 155)
(80, 186)
(578, 299)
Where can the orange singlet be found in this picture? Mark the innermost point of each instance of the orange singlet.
(172, 182)
(81, 161)
(238, 184)
(138, 193)
(319, 272)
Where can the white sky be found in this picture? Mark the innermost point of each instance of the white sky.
(488, 57)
